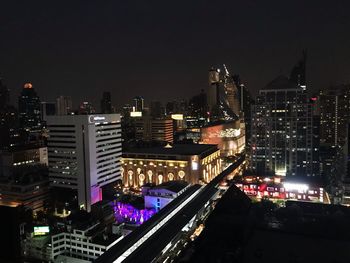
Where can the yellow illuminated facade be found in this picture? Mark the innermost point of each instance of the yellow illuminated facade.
(194, 169)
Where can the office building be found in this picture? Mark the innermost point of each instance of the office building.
(106, 103)
(64, 105)
(284, 131)
(157, 110)
(30, 190)
(333, 106)
(16, 156)
(84, 154)
(148, 129)
(29, 108)
(82, 243)
(193, 163)
(47, 108)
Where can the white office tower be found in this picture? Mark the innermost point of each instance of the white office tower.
(84, 154)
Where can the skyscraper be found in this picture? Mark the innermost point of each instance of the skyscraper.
(138, 103)
(157, 110)
(106, 103)
(334, 105)
(84, 154)
(298, 74)
(223, 100)
(46, 109)
(8, 119)
(148, 129)
(86, 108)
(29, 108)
(4, 95)
(63, 105)
(284, 131)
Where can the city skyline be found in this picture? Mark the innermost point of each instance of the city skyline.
(84, 48)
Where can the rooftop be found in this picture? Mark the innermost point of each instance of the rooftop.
(176, 149)
(173, 186)
(281, 83)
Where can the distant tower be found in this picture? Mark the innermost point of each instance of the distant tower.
(106, 103)
(4, 95)
(63, 105)
(29, 108)
(138, 103)
(86, 108)
(231, 92)
(298, 74)
(213, 91)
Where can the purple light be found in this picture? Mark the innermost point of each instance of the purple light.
(126, 213)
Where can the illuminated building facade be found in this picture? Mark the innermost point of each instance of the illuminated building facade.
(229, 136)
(284, 131)
(334, 106)
(193, 163)
(275, 189)
(84, 154)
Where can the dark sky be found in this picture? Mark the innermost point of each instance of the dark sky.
(162, 50)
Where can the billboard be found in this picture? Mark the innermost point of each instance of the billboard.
(229, 137)
(41, 230)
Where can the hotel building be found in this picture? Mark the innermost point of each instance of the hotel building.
(84, 154)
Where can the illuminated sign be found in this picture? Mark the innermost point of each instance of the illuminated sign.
(41, 230)
(295, 186)
(194, 163)
(136, 114)
(177, 117)
(92, 118)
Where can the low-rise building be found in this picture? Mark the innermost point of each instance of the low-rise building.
(159, 196)
(193, 163)
(29, 190)
(22, 155)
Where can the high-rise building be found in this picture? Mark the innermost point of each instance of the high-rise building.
(157, 110)
(284, 131)
(4, 95)
(47, 108)
(63, 105)
(246, 102)
(139, 103)
(298, 74)
(29, 108)
(8, 118)
(84, 154)
(333, 106)
(154, 129)
(106, 103)
(223, 100)
(86, 108)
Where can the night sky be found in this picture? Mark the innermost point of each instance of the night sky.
(162, 50)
